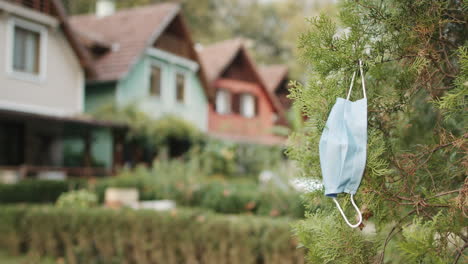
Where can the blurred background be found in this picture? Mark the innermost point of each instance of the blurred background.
(140, 131)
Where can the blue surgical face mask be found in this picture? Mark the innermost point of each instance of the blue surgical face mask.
(343, 147)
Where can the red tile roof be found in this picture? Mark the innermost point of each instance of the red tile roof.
(273, 75)
(217, 57)
(130, 31)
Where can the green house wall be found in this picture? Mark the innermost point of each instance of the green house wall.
(135, 88)
(98, 95)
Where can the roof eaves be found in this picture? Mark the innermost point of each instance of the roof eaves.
(202, 73)
(156, 34)
(83, 55)
(233, 55)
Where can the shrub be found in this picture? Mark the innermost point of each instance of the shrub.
(168, 132)
(237, 159)
(77, 199)
(217, 195)
(127, 236)
(37, 191)
(225, 197)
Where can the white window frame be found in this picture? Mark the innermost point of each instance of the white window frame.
(228, 102)
(42, 30)
(186, 86)
(161, 66)
(242, 105)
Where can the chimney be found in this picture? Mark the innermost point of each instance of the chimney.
(105, 8)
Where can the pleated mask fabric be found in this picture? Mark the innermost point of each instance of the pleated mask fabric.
(343, 147)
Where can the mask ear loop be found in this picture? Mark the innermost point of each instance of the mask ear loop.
(351, 86)
(362, 80)
(344, 216)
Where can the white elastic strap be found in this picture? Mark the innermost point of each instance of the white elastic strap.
(344, 216)
(351, 86)
(363, 82)
(362, 79)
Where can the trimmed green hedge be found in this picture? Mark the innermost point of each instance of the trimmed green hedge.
(37, 191)
(127, 236)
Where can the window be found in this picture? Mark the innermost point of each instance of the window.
(180, 87)
(27, 48)
(223, 101)
(248, 105)
(155, 81)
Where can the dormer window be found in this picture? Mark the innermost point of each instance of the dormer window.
(180, 87)
(155, 81)
(223, 102)
(28, 48)
(248, 106)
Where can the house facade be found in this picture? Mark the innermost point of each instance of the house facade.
(243, 109)
(144, 56)
(276, 80)
(42, 75)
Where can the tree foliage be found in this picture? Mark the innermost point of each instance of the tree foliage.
(167, 132)
(272, 26)
(414, 187)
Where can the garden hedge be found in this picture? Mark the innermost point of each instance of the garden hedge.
(37, 191)
(182, 236)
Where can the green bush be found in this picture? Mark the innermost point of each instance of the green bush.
(37, 191)
(77, 199)
(127, 236)
(236, 159)
(217, 195)
(226, 197)
(169, 132)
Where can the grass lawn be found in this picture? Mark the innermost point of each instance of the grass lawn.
(8, 259)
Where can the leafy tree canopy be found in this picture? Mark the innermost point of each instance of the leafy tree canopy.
(272, 26)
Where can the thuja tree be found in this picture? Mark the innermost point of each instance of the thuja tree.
(414, 190)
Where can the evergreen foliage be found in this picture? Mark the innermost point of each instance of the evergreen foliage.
(414, 187)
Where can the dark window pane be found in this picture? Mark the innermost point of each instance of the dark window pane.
(180, 87)
(12, 143)
(26, 50)
(155, 82)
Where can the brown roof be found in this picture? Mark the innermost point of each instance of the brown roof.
(273, 75)
(130, 31)
(217, 57)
